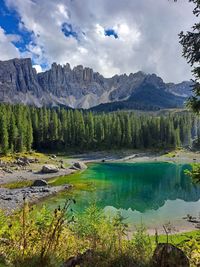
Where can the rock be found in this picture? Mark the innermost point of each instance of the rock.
(198, 227)
(35, 160)
(7, 170)
(167, 255)
(79, 166)
(40, 183)
(78, 87)
(49, 169)
(45, 190)
(24, 161)
(62, 166)
(6, 198)
(12, 199)
(2, 163)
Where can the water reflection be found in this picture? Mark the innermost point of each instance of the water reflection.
(140, 186)
(154, 192)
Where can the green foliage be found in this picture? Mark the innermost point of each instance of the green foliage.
(191, 43)
(32, 238)
(23, 128)
(191, 246)
(87, 225)
(142, 245)
(45, 239)
(195, 172)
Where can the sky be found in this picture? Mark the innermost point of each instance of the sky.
(110, 36)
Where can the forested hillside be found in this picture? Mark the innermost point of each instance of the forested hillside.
(23, 128)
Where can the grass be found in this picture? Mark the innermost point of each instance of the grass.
(172, 154)
(17, 184)
(39, 238)
(33, 154)
(178, 238)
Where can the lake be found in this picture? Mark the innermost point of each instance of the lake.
(152, 193)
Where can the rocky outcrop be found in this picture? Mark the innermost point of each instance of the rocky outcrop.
(49, 169)
(166, 255)
(78, 87)
(13, 199)
(79, 166)
(18, 75)
(183, 89)
(40, 183)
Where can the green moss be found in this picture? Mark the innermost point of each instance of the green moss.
(18, 184)
(75, 180)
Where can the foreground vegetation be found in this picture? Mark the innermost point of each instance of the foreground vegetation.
(32, 238)
(23, 128)
(195, 172)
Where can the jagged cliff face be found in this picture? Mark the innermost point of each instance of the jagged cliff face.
(17, 77)
(78, 87)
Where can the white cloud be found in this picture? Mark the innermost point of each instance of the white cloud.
(38, 68)
(147, 33)
(7, 48)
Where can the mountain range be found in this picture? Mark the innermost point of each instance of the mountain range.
(83, 88)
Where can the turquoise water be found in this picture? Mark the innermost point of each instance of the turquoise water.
(153, 193)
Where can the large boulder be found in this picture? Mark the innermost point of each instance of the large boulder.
(79, 166)
(49, 169)
(167, 255)
(40, 183)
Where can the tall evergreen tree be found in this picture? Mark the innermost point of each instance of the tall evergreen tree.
(191, 51)
(4, 134)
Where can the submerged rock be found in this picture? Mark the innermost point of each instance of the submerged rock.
(79, 166)
(49, 169)
(167, 255)
(40, 183)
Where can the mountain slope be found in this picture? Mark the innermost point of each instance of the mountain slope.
(147, 97)
(83, 88)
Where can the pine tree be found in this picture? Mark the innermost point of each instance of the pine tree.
(13, 133)
(29, 134)
(191, 44)
(4, 134)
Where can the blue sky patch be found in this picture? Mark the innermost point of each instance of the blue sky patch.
(10, 24)
(111, 32)
(68, 30)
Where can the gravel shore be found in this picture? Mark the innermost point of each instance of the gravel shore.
(12, 199)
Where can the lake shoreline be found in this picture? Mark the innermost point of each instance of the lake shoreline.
(93, 157)
(178, 156)
(32, 172)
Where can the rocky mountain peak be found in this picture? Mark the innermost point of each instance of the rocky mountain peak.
(155, 80)
(75, 87)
